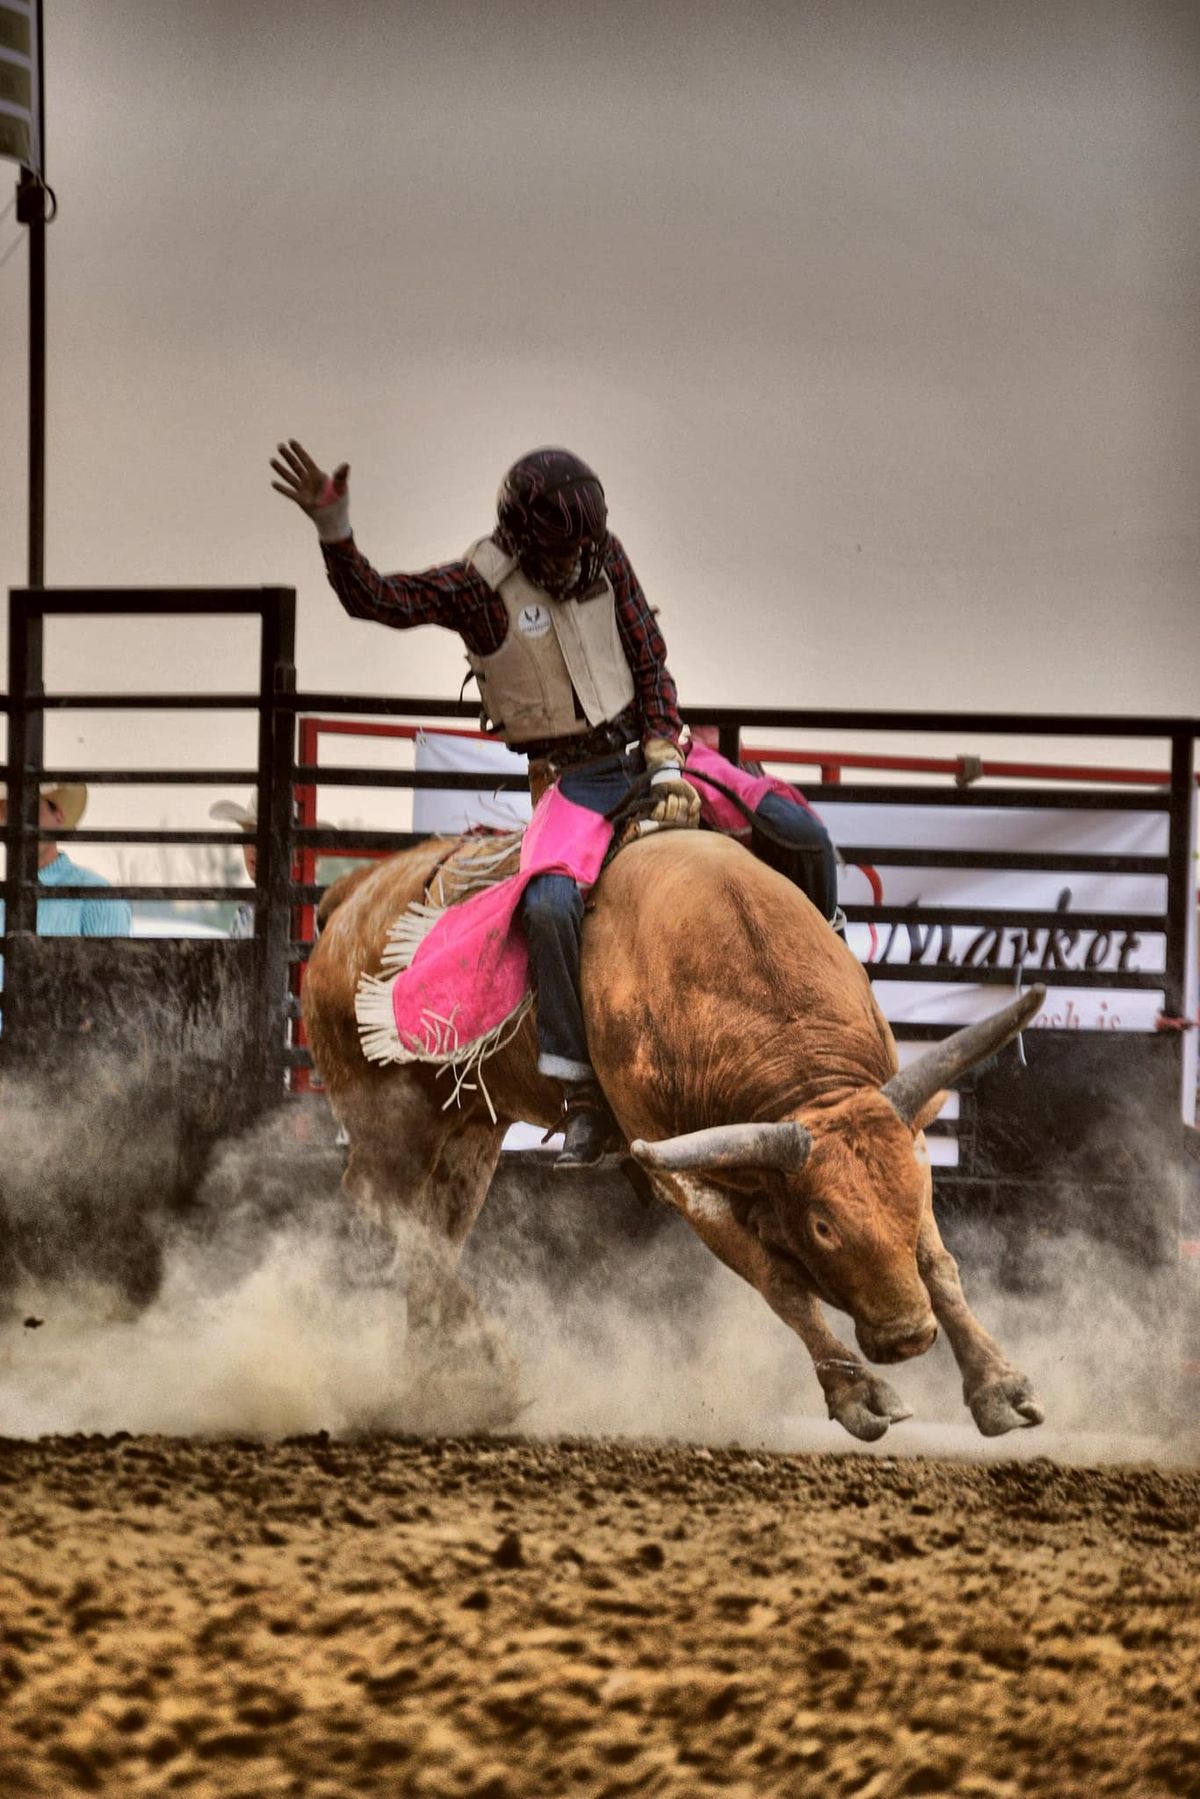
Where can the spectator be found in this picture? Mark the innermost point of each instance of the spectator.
(61, 808)
(246, 817)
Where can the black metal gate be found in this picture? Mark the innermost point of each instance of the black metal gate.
(1026, 1135)
(46, 977)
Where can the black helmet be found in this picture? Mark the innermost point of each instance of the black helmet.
(551, 515)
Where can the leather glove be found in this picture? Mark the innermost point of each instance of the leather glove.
(677, 804)
(325, 498)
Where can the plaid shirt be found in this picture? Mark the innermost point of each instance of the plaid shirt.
(455, 595)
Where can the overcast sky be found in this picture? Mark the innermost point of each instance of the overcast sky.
(879, 322)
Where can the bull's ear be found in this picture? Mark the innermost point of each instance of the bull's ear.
(930, 1110)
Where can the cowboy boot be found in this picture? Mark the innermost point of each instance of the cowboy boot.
(588, 1128)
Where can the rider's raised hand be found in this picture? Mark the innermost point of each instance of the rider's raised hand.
(325, 498)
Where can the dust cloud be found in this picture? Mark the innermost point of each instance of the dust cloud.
(249, 1311)
(1098, 1336)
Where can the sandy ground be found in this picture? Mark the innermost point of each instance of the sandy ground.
(501, 1617)
(203, 1593)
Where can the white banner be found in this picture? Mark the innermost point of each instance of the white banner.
(1046, 954)
(1049, 954)
(436, 810)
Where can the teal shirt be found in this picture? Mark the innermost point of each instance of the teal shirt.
(76, 917)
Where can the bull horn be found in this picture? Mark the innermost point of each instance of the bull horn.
(949, 1060)
(784, 1147)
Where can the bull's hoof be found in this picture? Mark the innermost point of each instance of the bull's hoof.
(866, 1406)
(1009, 1403)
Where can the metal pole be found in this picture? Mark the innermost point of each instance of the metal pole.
(31, 211)
(1180, 878)
(304, 917)
(37, 395)
(20, 886)
(276, 762)
(729, 742)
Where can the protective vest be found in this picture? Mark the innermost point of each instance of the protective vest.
(553, 650)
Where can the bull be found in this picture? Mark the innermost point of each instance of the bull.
(755, 1081)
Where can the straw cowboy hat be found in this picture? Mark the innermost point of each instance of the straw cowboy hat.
(70, 797)
(230, 812)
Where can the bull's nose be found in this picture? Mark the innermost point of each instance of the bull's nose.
(898, 1346)
(917, 1344)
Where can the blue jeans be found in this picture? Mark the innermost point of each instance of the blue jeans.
(817, 873)
(552, 909)
(552, 914)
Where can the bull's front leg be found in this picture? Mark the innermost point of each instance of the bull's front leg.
(859, 1400)
(1001, 1398)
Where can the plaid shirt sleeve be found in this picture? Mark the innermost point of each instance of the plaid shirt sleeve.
(644, 648)
(451, 594)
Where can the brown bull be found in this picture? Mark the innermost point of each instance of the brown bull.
(755, 1078)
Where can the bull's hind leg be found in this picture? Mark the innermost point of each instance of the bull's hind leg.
(396, 1133)
(1001, 1398)
(459, 1185)
(446, 1211)
(464, 1374)
(417, 1177)
(418, 1171)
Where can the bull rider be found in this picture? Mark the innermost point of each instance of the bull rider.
(571, 668)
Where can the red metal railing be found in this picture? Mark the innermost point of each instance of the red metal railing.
(964, 770)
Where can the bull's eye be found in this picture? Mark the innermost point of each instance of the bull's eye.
(823, 1231)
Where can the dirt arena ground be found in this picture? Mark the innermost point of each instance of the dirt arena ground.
(203, 1593)
(502, 1618)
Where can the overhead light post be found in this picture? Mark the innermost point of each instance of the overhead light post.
(23, 140)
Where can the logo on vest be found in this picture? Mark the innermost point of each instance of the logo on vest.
(533, 621)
